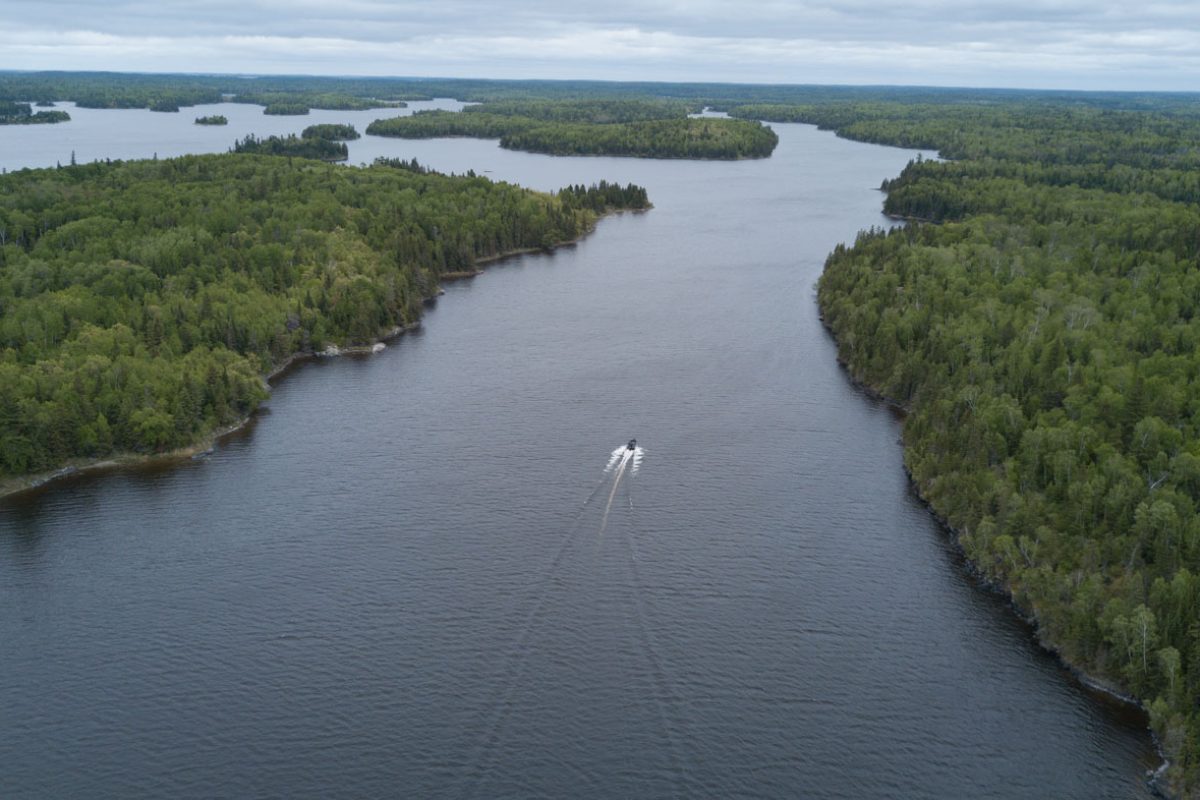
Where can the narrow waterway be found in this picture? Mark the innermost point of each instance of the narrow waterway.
(412, 575)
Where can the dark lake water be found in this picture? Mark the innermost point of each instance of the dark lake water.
(412, 575)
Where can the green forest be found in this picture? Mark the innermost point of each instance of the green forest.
(286, 109)
(213, 119)
(331, 131)
(141, 302)
(293, 145)
(653, 137)
(603, 197)
(1039, 320)
(597, 112)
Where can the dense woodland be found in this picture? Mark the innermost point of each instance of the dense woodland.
(678, 137)
(213, 119)
(432, 124)
(140, 302)
(286, 109)
(293, 145)
(662, 138)
(604, 197)
(332, 131)
(1044, 336)
(119, 90)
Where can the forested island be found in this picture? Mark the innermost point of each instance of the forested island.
(1042, 336)
(330, 131)
(641, 136)
(293, 145)
(23, 114)
(214, 119)
(143, 301)
(286, 109)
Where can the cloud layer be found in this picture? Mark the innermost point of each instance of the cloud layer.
(1046, 44)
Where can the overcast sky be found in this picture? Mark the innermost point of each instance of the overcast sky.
(1065, 44)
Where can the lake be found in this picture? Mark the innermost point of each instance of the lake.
(412, 575)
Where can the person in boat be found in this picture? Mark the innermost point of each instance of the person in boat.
(632, 445)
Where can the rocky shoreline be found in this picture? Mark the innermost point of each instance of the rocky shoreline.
(1157, 779)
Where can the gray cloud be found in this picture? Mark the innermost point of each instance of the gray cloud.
(1052, 43)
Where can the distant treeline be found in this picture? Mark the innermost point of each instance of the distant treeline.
(1044, 335)
(23, 114)
(648, 137)
(597, 112)
(286, 109)
(113, 90)
(140, 302)
(172, 92)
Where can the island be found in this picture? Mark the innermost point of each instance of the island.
(128, 332)
(293, 145)
(638, 128)
(23, 114)
(214, 119)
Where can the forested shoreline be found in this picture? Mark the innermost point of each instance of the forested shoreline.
(142, 302)
(1042, 334)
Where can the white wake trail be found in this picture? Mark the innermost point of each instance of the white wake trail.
(626, 457)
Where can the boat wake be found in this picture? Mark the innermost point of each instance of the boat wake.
(625, 459)
(622, 459)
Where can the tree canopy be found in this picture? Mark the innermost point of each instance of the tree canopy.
(293, 145)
